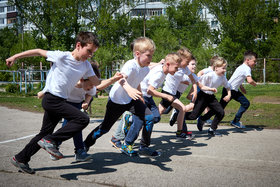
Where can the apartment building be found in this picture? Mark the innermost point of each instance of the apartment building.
(8, 14)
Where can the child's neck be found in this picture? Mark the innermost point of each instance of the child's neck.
(164, 69)
(75, 55)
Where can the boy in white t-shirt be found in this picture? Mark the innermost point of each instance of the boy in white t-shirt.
(208, 99)
(149, 86)
(242, 73)
(126, 95)
(68, 69)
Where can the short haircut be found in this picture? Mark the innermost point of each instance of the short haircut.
(219, 61)
(95, 67)
(87, 38)
(212, 60)
(143, 44)
(185, 53)
(249, 55)
(173, 57)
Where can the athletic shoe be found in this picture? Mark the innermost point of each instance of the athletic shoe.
(148, 152)
(22, 167)
(208, 122)
(237, 124)
(189, 135)
(200, 124)
(128, 149)
(53, 158)
(127, 122)
(50, 147)
(116, 143)
(173, 119)
(82, 156)
(214, 133)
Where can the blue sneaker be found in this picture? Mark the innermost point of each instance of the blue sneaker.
(128, 149)
(116, 143)
(237, 124)
(82, 156)
(127, 122)
(148, 152)
(200, 124)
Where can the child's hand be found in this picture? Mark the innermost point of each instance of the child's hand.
(134, 93)
(117, 76)
(85, 106)
(226, 98)
(214, 90)
(10, 61)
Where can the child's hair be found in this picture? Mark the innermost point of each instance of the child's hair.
(173, 57)
(87, 38)
(143, 44)
(212, 60)
(185, 53)
(95, 67)
(249, 55)
(219, 61)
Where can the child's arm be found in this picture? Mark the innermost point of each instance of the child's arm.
(200, 73)
(132, 92)
(153, 92)
(227, 98)
(86, 102)
(206, 88)
(251, 81)
(105, 83)
(29, 53)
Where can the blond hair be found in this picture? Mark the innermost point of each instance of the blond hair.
(219, 61)
(173, 58)
(185, 53)
(143, 44)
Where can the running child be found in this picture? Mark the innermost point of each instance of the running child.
(242, 73)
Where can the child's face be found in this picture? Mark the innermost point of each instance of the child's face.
(144, 59)
(220, 71)
(192, 66)
(251, 62)
(87, 85)
(184, 63)
(172, 67)
(85, 52)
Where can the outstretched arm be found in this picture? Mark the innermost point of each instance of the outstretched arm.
(105, 83)
(29, 53)
(251, 81)
(132, 92)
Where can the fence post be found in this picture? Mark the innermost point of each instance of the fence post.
(264, 70)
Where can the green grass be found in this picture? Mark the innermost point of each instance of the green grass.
(260, 113)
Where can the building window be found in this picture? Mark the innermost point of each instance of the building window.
(2, 9)
(11, 8)
(11, 20)
(2, 20)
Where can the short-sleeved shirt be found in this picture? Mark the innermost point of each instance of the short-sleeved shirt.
(65, 73)
(239, 76)
(207, 70)
(172, 81)
(212, 80)
(182, 87)
(135, 74)
(77, 95)
(155, 78)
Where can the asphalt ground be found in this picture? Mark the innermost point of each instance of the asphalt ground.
(241, 157)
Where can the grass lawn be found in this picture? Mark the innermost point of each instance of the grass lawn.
(264, 110)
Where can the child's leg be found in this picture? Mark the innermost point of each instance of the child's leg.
(119, 132)
(181, 107)
(113, 112)
(219, 111)
(245, 103)
(199, 106)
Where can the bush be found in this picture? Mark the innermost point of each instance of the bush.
(12, 88)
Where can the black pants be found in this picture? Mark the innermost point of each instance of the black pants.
(237, 96)
(55, 108)
(205, 100)
(113, 112)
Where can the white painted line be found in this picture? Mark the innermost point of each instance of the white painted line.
(13, 140)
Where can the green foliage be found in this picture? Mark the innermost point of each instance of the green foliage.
(12, 88)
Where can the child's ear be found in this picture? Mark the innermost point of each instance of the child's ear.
(137, 53)
(78, 45)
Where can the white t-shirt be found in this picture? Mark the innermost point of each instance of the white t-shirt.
(207, 70)
(212, 80)
(135, 74)
(182, 87)
(239, 75)
(172, 81)
(65, 73)
(77, 95)
(155, 78)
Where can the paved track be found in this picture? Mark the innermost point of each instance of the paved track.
(249, 157)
